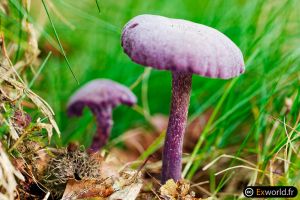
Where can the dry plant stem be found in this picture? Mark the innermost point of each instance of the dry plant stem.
(172, 153)
(104, 124)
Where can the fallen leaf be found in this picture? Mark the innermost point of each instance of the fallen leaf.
(179, 190)
(169, 189)
(87, 189)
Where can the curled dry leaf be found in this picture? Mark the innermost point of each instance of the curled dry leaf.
(87, 189)
(169, 189)
(47, 127)
(179, 190)
(45, 108)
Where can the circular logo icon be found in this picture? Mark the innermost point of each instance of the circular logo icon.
(248, 192)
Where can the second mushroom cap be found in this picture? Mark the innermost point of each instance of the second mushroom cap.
(101, 96)
(100, 92)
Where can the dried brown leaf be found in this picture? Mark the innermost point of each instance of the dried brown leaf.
(169, 189)
(87, 189)
(179, 190)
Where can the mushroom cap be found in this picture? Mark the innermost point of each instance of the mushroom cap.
(100, 93)
(182, 46)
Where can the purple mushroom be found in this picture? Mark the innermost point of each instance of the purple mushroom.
(101, 96)
(185, 48)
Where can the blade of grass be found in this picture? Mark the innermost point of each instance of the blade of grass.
(19, 36)
(36, 76)
(58, 41)
(40, 70)
(145, 103)
(97, 3)
(106, 25)
(204, 133)
(254, 127)
(156, 144)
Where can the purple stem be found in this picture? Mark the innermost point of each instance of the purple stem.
(172, 153)
(104, 124)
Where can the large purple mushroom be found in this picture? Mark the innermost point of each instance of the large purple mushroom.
(101, 96)
(185, 48)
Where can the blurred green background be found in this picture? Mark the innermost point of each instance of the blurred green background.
(245, 108)
(266, 32)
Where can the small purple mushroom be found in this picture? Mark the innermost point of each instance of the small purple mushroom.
(101, 96)
(185, 48)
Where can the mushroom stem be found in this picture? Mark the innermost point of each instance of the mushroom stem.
(172, 153)
(104, 123)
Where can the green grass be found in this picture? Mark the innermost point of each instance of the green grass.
(244, 109)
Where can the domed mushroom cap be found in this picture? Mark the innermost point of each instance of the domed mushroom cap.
(100, 93)
(180, 45)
